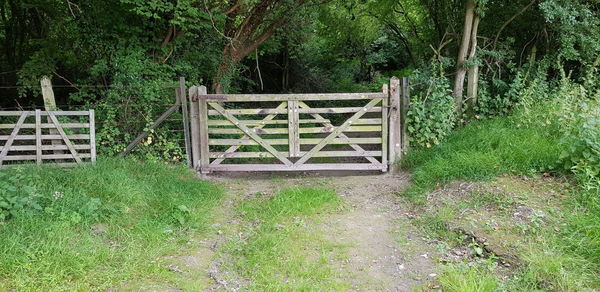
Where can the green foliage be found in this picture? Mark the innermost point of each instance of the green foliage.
(17, 194)
(100, 226)
(483, 149)
(431, 116)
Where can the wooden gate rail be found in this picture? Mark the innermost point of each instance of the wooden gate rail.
(26, 139)
(290, 132)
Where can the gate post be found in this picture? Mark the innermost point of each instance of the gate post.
(394, 128)
(404, 105)
(203, 129)
(186, 119)
(194, 126)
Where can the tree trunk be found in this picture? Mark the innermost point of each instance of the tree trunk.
(461, 70)
(473, 77)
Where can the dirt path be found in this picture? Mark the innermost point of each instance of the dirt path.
(384, 252)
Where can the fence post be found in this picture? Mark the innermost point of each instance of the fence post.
(404, 106)
(203, 129)
(186, 119)
(394, 128)
(195, 124)
(50, 105)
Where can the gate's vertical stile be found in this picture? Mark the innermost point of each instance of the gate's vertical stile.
(404, 105)
(384, 125)
(394, 127)
(38, 137)
(92, 119)
(194, 126)
(186, 119)
(293, 128)
(203, 130)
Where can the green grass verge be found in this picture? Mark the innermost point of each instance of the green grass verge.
(101, 226)
(279, 252)
(567, 259)
(480, 150)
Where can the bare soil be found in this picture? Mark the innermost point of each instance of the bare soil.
(384, 251)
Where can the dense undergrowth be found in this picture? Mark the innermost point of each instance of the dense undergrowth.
(97, 227)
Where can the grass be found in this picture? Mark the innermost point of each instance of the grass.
(464, 278)
(555, 259)
(278, 251)
(481, 150)
(102, 226)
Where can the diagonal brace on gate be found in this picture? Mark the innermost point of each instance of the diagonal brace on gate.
(11, 139)
(251, 134)
(337, 132)
(236, 147)
(356, 147)
(64, 136)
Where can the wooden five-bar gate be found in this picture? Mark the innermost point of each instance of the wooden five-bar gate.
(298, 132)
(63, 137)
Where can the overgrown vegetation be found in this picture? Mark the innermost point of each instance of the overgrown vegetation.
(97, 227)
(554, 133)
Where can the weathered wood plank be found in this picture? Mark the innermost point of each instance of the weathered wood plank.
(318, 154)
(394, 137)
(47, 137)
(12, 137)
(262, 111)
(293, 125)
(203, 129)
(298, 97)
(38, 137)
(65, 137)
(303, 141)
(337, 131)
(45, 157)
(194, 126)
(45, 113)
(50, 105)
(92, 136)
(275, 131)
(268, 118)
(268, 122)
(47, 126)
(384, 125)
(47, 147)
(251, 134)
(404, 106)
(181, 91)
(303, 167)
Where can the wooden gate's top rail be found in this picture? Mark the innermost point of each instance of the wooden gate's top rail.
(45, 113)
(287, 97)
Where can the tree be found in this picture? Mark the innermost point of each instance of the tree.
(247, 26)
(470, 27)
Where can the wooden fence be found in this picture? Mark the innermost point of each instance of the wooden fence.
(63, 137)
(298, 132)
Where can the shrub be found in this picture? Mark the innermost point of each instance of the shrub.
(431, 116)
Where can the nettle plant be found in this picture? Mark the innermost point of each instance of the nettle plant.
(17, 194)
(432, 114)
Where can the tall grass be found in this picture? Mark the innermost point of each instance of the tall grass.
(483, 149)
(569, 258)
(102, 225)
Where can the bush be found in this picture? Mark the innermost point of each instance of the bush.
(431, 116)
